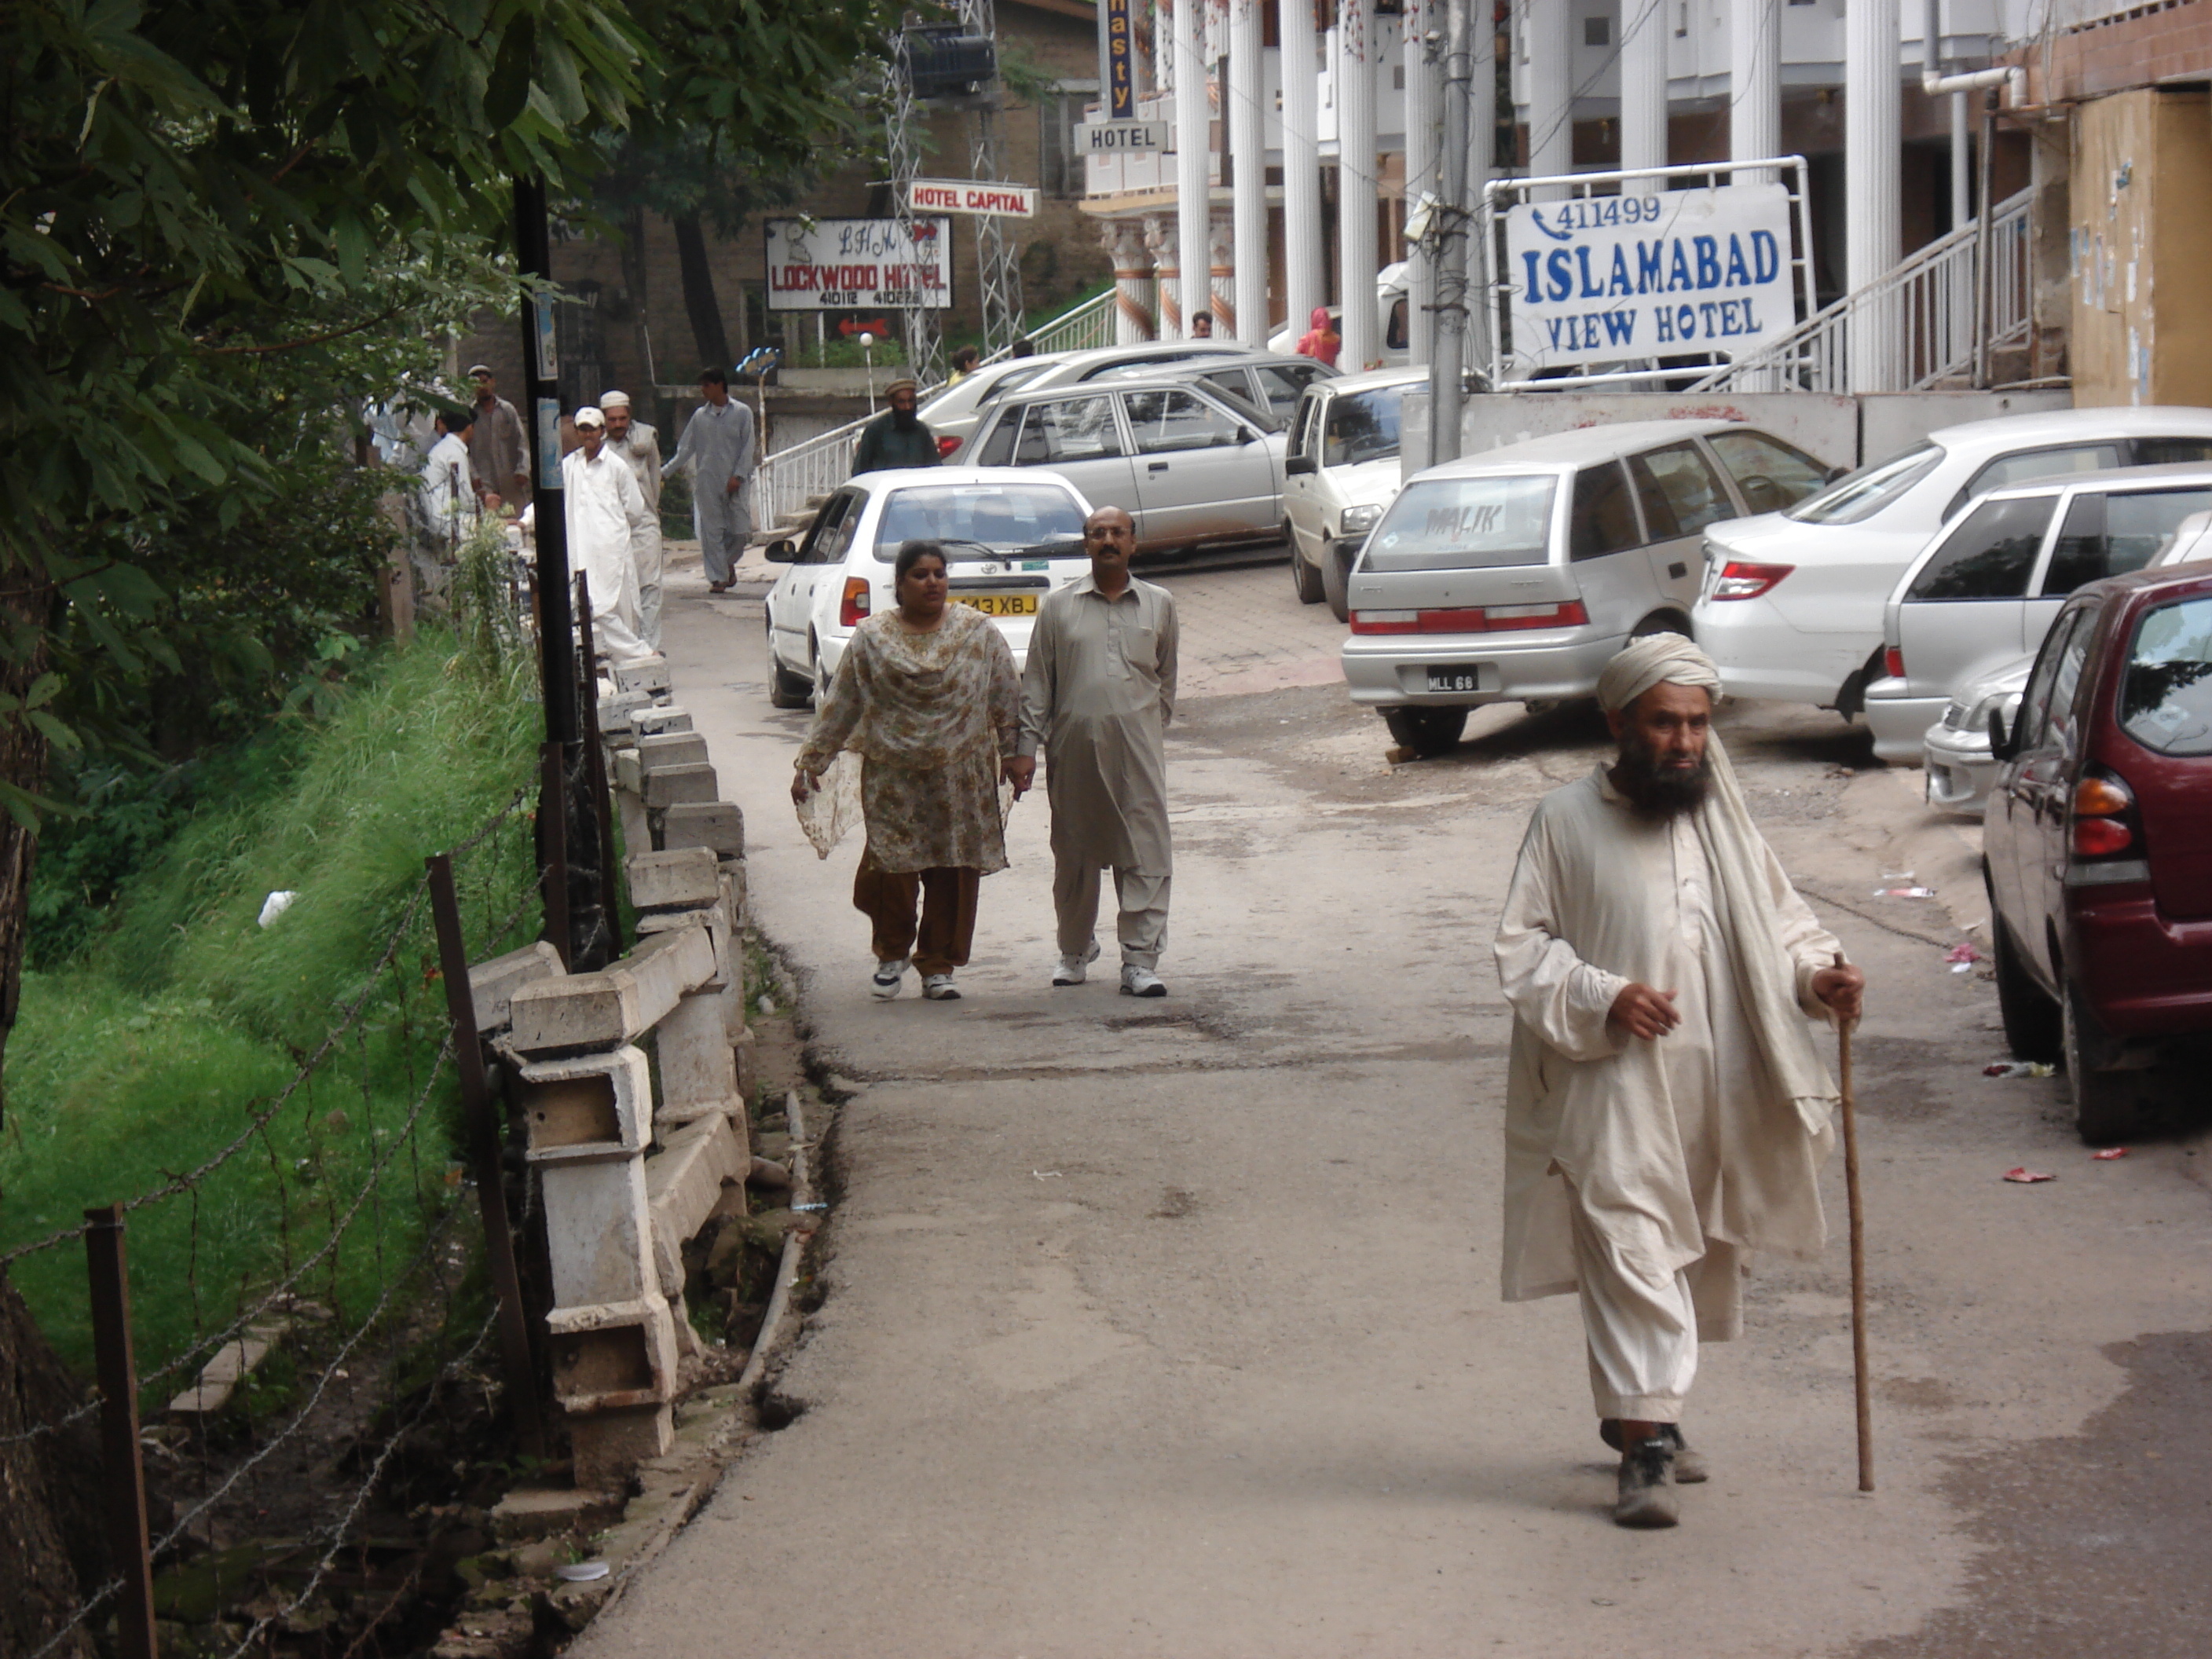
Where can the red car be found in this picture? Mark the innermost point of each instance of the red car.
(2098, 845)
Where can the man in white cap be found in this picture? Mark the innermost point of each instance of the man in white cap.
(640, 445)
(1667, 1110)
(607, 523)
(717, 448)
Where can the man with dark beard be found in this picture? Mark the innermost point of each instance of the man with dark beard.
(897, 437)
(1666, 1111)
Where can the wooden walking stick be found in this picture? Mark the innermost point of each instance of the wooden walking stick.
(1859, 1384)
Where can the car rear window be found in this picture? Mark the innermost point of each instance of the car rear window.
(982, 520)
(1989, 555)
(2166, 700)
(1465, 524)
(1867, 491)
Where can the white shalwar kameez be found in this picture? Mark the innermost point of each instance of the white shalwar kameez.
(607, 521)
(1638, 1172)
(640, 447)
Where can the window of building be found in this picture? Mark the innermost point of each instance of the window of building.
(1597, 30)
(1059, 161)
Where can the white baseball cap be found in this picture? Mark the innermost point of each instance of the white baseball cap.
(589, 416)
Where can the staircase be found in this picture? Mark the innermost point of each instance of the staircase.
(1912, 329)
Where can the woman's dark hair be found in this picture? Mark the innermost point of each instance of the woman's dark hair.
(911, 554)
(965, 357)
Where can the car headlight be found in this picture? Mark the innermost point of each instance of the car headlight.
(1357, 521)
(1976, 720)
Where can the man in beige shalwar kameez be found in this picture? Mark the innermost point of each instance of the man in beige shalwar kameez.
(1666, 1111)
(1098, 693)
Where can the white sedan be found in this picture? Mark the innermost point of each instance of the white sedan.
(1010, 537)
(1792, 603)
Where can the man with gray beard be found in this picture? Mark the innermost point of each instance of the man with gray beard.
(1667, 1112)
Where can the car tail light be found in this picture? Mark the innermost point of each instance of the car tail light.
(945, 447)
(2103, 818)
(853, 610)
(1893, 661)
(1740, 579)
(1472, 619)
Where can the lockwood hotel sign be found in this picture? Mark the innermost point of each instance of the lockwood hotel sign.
(859, 264)
(1663, 274)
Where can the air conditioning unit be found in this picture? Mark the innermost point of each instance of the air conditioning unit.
(947, 64)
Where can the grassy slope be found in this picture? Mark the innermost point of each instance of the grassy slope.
(155, 1048)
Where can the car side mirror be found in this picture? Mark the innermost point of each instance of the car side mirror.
(1300, 466)
(781, 552)
(2000, 744)
(1246, 436)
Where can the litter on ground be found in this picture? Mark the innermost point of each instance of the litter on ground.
(2109, 1153)
(2026, 1176)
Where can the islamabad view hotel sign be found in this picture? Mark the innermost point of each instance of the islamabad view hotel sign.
(1650, 273)
(859, 264)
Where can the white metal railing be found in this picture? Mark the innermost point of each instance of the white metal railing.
(1918, 323)
(788, 479)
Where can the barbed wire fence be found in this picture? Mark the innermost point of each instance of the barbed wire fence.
(335, 1240)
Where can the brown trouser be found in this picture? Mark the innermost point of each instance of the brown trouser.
(887, 899)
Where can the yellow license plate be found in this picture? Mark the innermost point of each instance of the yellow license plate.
(1001, 604)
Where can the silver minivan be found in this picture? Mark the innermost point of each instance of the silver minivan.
(1516, 575)
(1193, 464)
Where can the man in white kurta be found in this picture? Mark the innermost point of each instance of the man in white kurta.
(1667, 1110)
(607, 521)
(1097, 692)
(447, 489)
(717, 449)
(640, 445)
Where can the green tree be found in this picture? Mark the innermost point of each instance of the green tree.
(187, 188)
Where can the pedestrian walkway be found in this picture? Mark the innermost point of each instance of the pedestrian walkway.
(1244, 631)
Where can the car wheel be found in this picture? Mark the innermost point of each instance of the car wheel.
(2032, 1026)
(1303, 577)
(1336, 579)
(1427, 732)
(785, 688)
(2107, 1104)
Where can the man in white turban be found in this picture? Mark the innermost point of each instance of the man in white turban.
(1667, 1110)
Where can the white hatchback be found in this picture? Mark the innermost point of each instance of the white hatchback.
(1339, 472)
(1791, 607)
(1009, 538)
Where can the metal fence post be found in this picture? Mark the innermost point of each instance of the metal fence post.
(596, 775)
(483, 1135)
(123, 1472)
(553, 845)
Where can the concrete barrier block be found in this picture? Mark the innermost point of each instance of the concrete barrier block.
(714, 919)
(608, 1446)
(681, 879)
(611, 1355)
(671, 749)
(598, 1233)
(648, 673)
(682, 1184)
(746, 1048)
(698, 1068)
(585, 1109)
(636, 821)
(629, 775)
(616, 713)
(674, 785)
(492, 985)
(719, 825)
(660, 717)
(581, 1011)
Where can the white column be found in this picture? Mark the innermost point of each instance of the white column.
(1547, 29)
(1481, 168)
(1423, 154)
(1355, 197)
(1160, 238)
(1961, 159)
(1643, 84)
(1192, 135)
(1133, 281)
(1755, 83)
(1304, 259)
(1247, 148)
(1871, 182)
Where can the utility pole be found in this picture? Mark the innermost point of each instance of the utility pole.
(1447, 362)
(585, 948)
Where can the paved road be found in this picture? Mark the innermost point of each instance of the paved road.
(1172, 1328)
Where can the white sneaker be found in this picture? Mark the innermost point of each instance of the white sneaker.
(1140, 981)
(889, 977)
(1071, 968)
(939, 987)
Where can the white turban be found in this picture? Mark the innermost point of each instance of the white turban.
(1654, 660)
(1737, 857)
(615, 400)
